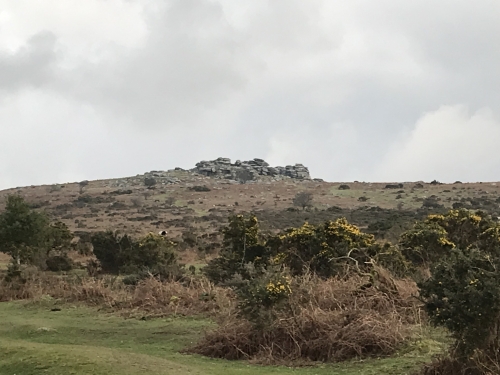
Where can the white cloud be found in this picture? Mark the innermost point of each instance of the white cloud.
(448, 144)
(138, 85)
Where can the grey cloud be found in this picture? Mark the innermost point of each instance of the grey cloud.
(32, 65)
(187, 65)
(336, 85)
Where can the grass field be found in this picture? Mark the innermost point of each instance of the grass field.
(80, 340)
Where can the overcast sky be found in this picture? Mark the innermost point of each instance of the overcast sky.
(385, 90)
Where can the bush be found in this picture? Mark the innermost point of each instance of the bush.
(323, 249)
(241, 244)
(199, 188)
(151, 255)
(112, 250)
(320, 320)
(261, 294)
(58, 263)
(463, 295)
(431, 239)
(303, 200)
(149, 182)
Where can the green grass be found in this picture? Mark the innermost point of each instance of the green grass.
(80, 340)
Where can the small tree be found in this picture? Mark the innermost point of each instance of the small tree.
(82, 185)
(303, 199)
(23, 232)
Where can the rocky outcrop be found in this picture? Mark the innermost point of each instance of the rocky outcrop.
(249, 170)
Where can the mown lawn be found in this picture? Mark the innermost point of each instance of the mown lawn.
(80, 340)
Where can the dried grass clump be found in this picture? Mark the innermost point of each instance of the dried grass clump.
(324, 320)
(189, 297)
(150, 297)
(34, 285)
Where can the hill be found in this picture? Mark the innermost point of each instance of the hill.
(197, 202)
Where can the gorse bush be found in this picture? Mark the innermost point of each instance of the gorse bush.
(112, 250)
(463, 292)
(463, 295)
(58, 263)
(241, 244)
(325, 250)
(150, 255)
(260, 296)
(322, 249)
(433, 238)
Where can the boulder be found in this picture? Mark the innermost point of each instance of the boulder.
(255, 169)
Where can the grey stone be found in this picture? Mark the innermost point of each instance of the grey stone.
(256, 169)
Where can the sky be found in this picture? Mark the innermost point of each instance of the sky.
(363, 90)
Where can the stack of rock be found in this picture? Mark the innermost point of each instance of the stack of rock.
(249, 170)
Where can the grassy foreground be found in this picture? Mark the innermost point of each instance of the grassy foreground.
(80, 340)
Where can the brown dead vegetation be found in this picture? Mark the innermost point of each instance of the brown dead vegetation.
(325, 320)
(151, 297)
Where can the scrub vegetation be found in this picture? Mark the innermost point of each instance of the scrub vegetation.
(297, 289)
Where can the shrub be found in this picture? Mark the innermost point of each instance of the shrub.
(82, 185)
(149, 182)
(303, 200)
(241, 244)
(463, 292)
(433, 238)
(260, 295)
(322, 249)
(199, 188)
(325, 249)
(150, 255)
(111, 250)
(58, 263)
(463, 295)
(320, 320)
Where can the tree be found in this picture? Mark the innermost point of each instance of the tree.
(82, 185)
(23, 232)
(28, 236)
(303, 199)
